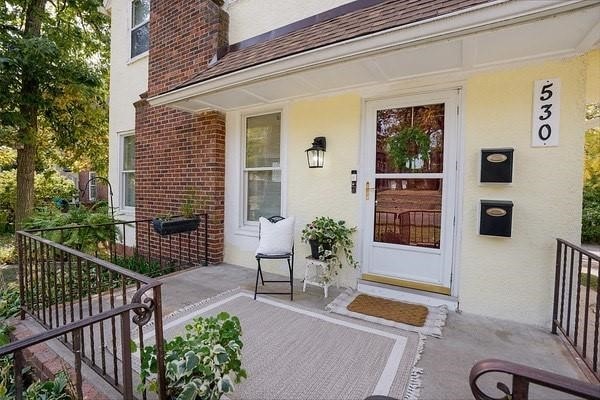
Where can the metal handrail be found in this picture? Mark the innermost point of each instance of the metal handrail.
(104, 264)
(58, 281)
(64, 329)
(76, 329)
(580, 249)
(572, 314)
(523, 376)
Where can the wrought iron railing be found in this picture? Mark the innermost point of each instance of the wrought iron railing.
(522, 377)
(414, 227)
(76, 331)
(576, 310)
(175, 252)
(68, 291)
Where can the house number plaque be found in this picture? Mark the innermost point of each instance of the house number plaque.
(546, 113)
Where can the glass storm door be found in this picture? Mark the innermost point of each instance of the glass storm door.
(409, 191)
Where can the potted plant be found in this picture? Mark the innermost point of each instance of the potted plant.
(407, 146)
(329, 239)
(188, 221)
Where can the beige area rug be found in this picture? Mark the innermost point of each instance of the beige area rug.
(436, 316)
(293, 352)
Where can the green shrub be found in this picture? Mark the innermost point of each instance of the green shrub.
(58, 388)
(8, 253)
(9, 301)
(202, 364)
(47, 186)
(590, 229)
(141, 265)
(86, 239)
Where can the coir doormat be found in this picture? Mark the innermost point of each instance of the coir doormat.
(376, 312)
(406, 313)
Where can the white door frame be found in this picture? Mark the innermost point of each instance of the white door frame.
(453, 201)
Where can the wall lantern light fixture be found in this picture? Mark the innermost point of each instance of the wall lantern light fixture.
(316, 154)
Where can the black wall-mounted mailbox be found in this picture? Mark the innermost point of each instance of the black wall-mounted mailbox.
(496, 165)
(496, 218)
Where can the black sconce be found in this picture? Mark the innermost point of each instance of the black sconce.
(316, 154)
(353, 179)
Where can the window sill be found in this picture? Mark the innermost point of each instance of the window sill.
(128, 213)
(137, 58)
(247, 230)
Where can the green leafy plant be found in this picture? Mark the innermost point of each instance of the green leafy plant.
(334, 238)
(142, 265)
(87, 238)
(47, 186)
(202, 364)
(55, 389)
(8, 253)
(9, 301)
(406, 145)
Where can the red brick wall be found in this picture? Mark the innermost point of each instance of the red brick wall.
(184, 37)
(84, 192)
(178, 152)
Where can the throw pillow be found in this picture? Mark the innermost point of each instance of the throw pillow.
(276, 238)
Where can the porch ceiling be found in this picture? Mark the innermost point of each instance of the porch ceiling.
(461, 44)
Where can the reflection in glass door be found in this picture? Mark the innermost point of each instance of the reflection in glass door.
(409, 176)
(409, 158)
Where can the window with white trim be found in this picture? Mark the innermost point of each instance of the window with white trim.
(92, 189)
(262, 166)
(140, 30)
(128, 171)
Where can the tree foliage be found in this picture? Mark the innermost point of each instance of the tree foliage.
(53, 85)
(591, 170)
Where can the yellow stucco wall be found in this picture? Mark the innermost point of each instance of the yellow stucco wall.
(508, 278)
(318, 192)
(311, 192)
(592, 90)
(513, 278)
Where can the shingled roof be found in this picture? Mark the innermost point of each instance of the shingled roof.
(363, 21)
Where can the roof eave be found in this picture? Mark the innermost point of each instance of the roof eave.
(472, 20)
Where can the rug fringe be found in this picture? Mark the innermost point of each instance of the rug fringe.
(413, 388)
(191, 307)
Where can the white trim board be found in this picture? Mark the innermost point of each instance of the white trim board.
(392, 365)
(455, 26)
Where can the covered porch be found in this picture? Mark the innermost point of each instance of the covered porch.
(445, 361)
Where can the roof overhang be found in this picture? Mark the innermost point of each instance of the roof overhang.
(478, 38)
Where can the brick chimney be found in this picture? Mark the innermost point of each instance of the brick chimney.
(178, 153)
(184, 37)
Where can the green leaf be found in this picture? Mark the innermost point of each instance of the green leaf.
(192, 360)
(133, 346)
(189, 392)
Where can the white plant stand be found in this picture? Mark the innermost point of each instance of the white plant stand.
(317, 274)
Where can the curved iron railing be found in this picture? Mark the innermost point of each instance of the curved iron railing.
(522, 377)
(63, 288)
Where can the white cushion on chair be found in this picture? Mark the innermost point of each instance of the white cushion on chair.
(276, 238)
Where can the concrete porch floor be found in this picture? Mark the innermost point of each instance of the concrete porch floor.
(446, 362)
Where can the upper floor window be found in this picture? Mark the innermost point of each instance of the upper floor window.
(140, 31)
(262, 166)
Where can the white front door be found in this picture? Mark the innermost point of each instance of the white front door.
(409, 193)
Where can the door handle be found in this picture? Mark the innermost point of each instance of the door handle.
(367, 189)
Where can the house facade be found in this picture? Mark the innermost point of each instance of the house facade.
(454, 133)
